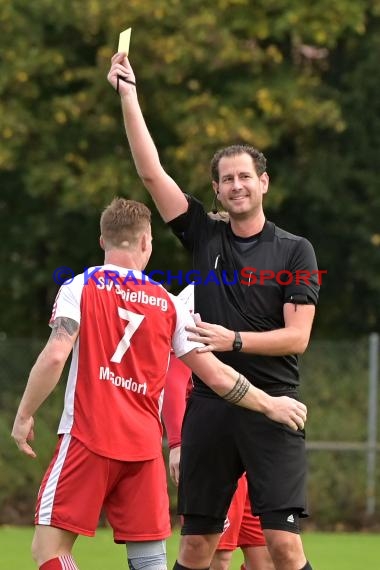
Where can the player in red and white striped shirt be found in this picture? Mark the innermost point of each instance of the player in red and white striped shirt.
(120, 328)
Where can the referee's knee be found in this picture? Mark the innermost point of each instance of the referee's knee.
(285, 549)
(196, 551)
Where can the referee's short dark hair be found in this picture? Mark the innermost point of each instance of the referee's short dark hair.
(259, 160)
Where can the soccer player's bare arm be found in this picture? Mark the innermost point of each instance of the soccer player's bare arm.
(43, 378)
(236, 389)
(64, 329)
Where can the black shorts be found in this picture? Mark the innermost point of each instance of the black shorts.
(220, 441)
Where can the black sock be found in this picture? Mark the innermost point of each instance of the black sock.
(306, 567)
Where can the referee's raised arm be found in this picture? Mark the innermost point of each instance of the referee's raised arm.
(168, 197)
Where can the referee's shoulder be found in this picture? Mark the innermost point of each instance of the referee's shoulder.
(282, 234)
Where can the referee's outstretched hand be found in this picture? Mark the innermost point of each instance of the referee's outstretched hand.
(121, 74)
(215, 337)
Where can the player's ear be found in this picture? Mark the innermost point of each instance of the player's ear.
(101, 242)
(144, 241)
(215, 187)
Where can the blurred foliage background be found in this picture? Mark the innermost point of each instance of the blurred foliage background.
(334, 386)
(297, 79)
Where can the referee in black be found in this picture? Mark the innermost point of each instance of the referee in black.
(256, 290)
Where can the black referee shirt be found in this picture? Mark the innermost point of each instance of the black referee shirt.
(243, 283)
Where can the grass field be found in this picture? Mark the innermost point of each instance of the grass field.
(326, 551)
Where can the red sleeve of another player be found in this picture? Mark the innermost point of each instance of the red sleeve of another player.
(173, 408)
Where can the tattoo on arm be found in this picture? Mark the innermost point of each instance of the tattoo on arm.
(238, 391)
(63, 328)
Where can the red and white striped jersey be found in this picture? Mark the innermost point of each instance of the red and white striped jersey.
(128, 325)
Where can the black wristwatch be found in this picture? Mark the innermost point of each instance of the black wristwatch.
(238, 343)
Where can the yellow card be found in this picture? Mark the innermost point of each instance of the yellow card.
(124, 39)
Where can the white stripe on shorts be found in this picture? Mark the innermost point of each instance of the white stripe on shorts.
(47, 498)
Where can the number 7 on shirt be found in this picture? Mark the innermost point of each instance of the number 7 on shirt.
(135, 321)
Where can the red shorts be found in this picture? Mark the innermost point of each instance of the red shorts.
(243, 529)
(79, 483)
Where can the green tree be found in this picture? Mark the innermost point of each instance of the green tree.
(269, 73)
(332, 192)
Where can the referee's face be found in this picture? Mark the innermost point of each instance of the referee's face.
(240, 190)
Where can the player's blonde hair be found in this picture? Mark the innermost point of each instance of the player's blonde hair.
(123, 221)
